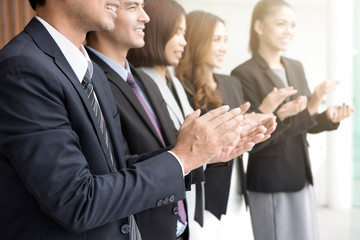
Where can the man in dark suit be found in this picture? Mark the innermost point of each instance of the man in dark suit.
(109, 51)
(63, 172)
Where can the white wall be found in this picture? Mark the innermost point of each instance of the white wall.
(310, 46)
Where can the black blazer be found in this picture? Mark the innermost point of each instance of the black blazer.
(281, 163)
(56, 176)
(156, 223)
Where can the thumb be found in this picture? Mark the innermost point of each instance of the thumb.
(245, 107)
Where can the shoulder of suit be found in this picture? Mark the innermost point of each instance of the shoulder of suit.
(296, 64)
(245, 67)
(224, 77)
(290, 60)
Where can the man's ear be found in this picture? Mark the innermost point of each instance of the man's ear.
(258, 27)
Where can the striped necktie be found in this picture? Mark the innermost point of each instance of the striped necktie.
(89, 89)
(130, 80)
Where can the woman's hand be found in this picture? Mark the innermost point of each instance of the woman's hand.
(275, 98)
(292, 108)
(320, 91)
(338, 113)
(266, 120)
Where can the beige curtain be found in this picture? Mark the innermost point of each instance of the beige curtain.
(14, 15)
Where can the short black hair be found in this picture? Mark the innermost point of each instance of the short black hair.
(33, 3)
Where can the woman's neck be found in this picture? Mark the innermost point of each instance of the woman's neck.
(271, 57)
(162, 72)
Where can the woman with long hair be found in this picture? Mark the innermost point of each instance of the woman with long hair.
(279, 178)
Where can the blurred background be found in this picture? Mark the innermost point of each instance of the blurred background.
(327, 42)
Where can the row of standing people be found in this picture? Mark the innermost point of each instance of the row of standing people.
(153, 103)
(65, 167)
(195, 44)
(279, 177)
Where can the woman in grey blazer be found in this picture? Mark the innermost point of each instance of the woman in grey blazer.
(282, 203)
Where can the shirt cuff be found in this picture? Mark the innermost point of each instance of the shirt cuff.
(181, 165)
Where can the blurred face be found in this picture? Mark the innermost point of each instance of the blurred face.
(276, 31)
(175, 46)
(130, 24)
(94, 15)
(218, 47)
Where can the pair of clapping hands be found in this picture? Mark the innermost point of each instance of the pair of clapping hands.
(272, 101)
(220, 135)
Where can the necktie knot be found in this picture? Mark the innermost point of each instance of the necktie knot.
(130, 80)
(87, 84)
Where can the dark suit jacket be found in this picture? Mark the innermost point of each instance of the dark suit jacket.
(156, 223)
(56, 178)
(281, 163)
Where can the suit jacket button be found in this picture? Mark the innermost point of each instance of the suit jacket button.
(172, 198)
(125, 229)
(166, 200)
(175, 211)
(159, 203)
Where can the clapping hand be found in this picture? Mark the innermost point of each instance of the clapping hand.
(202, 139)
(266, 120)
(291, 108)
(320, 91)
(275, 98)
(338, 113)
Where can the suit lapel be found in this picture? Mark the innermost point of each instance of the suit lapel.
(47, 44)
(159, 105)
(165, 92)
(125, 89)
(291, 77)
(155, 103)
(276, 81)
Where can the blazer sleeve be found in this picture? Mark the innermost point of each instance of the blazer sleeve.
(39, 143)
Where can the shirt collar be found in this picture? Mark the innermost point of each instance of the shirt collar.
(123, 72)
(77, 58)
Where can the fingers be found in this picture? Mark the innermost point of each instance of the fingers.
(330, 85)
(326, 87)
(345, 111)
(289, 91)
(270, 126)
(191, 117)
(227, 120)
(302, 101)
(213, 114)
(245, 107)
(338, 113)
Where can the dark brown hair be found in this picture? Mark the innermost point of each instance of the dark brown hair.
(200, 27)
(164, 15)
(33, 3)
(262, 9)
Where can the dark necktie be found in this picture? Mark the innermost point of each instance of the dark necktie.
(130, 80)
(199, 205)
(89, 89)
